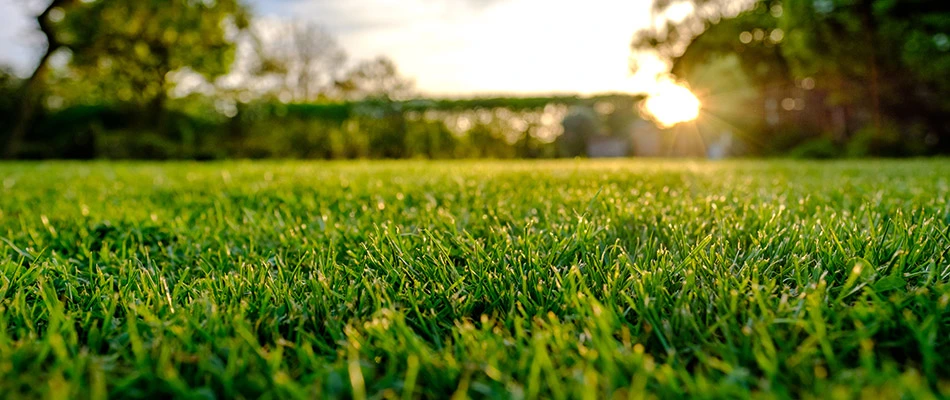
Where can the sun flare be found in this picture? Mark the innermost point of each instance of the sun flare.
(671, 104)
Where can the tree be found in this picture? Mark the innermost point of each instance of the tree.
(580, 125)
(32, 86)
(677, 22)
(883, 56)
(837, 44)
(872, 63)
(129, 49)
(736, 66)
(374, 79)
(9, 85)
(297, 61)
(135, 46)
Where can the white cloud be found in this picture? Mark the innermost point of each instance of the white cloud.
(20, 40)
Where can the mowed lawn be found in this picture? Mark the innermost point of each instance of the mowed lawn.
(555, 279)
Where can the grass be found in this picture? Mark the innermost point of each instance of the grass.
(567, 279)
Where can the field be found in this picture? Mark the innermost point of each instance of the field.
(559, 279)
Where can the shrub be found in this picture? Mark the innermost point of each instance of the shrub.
(820, 148)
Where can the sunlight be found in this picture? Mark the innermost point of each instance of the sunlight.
(671, 104)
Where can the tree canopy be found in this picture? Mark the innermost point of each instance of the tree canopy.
(875, 66)
(134, 46)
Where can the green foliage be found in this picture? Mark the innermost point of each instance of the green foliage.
(747, 36)
(906, 36)
(727, 82)
(432, 140)
(503, 279)
(133, 46)
(817, 148)
(890, 141)
(831, 45)
(580, 125)
(850, 65)
(197, 127)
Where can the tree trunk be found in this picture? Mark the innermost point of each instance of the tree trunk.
(156, 113)
(31, 88)
(155, 110)
(27, 107)
(870, 36)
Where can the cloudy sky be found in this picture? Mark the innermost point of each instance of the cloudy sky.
(450, 47)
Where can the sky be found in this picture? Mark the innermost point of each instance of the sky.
(449, 47)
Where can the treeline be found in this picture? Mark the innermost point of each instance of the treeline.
(197, 128)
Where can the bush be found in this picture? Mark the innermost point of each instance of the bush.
(890, 141)
(867, 142)
(580, 124)
(136, 144)
(820, 148)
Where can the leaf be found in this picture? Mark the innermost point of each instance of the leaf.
(890, 282)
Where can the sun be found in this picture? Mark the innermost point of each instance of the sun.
(671, 104)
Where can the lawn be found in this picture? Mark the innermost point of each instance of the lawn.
(556, 279)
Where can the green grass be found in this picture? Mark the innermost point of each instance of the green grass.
(554, 279)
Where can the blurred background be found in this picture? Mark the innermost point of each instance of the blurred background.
(335, 79)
